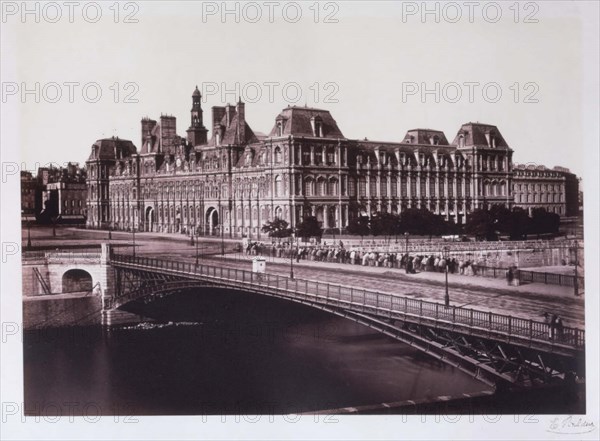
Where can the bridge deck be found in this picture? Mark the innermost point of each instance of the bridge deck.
(383, 305)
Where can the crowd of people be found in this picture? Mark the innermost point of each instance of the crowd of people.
(338, 254)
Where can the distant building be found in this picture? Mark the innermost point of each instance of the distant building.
(237, 180)
(63, 194)
(536, 186)
(28, 190)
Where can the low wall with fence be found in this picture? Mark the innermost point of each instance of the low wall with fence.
(481, 263)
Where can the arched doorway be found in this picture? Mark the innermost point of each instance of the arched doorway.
(212, 220)
(76, 280)
(149, 219)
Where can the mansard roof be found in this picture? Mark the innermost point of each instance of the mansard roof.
(425, 137)
(112, 148)
(297, 122)
(477, 134)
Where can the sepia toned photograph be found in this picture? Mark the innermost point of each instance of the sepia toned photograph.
(291, 220)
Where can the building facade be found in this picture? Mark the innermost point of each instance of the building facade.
(536, 186)
(61, 194)
(237, 180)
(28, 189)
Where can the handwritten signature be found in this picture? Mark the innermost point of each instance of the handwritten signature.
(571, 425)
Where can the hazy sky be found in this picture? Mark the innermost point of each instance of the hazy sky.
(374, 58)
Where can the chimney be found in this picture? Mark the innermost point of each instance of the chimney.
(147, 127)
(168, 132)
(229, 109)
(217, 115)
(240, 109)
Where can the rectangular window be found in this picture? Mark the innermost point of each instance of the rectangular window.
(306, 157)
(362, 188)
(373, 186)
(432, 187)
(423, 187)
(384, 188)
(403, 187)
(450, 189)
(351, 187)
(394, 187)
(413, 187)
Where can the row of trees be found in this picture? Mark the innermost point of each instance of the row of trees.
(515, 223)
(279, 228)
(486, 224)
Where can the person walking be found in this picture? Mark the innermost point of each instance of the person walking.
(509, 276)
(559, 328)
(553, 325)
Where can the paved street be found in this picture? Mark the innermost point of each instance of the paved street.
(527, 301)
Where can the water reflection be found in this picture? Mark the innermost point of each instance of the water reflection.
(226, 352)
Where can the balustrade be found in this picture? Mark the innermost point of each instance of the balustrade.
(371, 301)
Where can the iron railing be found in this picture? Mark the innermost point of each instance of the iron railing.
(366, 301)
(525, 276)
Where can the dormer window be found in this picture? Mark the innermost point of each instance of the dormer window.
(317, 126)
(279, 128)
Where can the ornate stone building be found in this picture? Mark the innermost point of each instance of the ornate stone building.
(237, 180)
(556, 189)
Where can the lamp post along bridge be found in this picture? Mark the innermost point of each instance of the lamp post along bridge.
(495, 348)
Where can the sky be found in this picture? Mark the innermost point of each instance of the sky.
(370, 69)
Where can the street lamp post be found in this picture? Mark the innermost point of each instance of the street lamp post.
(406, 235)
(222, 241)
(446, 295)
(133, 231)
(292, 256)
(197, 247)
(28, 234)
(576, 280)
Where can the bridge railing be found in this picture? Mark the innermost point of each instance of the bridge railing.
(363, 300)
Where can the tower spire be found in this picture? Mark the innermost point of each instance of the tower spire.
(197, 131)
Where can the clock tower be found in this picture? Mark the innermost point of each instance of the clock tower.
(196, 134)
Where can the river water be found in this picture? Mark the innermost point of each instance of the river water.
(222, 352)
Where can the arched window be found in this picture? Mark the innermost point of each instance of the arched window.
(278, 186)
(278, 156)
(309, 186)
(333, 187)
(321, 187)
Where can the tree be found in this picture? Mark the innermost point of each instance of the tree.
(543, 222)
(519, 225)
(309, 227)
(360, 226)
(421, 221)
(385, 224)
(277, 228)
(481, 225)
